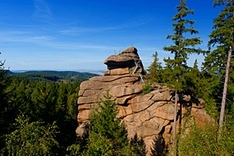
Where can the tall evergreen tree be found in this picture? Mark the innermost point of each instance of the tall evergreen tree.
(221, 39)
(107, 135)
(183, 46)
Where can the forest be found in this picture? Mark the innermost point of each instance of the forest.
(38, 113)
(53, 76)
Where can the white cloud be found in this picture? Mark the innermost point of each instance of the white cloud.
(42, 11)
(24, 37)
(100, 29)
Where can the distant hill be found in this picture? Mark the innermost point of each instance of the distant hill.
(55, 76)
(8, 72)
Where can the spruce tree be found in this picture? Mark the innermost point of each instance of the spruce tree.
(107, 135)
(221, 39)
(182, 47)
(154, 70)
(30, 138)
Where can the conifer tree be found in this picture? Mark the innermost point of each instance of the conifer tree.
(182, 47)
(221, 39)
(60, 107)
(6, 110)
(30, 138)
(155, 70)
(107, 135)
(2, 101)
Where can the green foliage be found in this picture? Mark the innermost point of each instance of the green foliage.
(223, 25)
(47, 97)
(198, 83)
(154, 71)
(159, 148)
(6, 110)
(138, 146)
(222, 2)
(55, 76)
(45, 102)
(31, 138)
(221, 38)
(147, 88)
(42, 100)
(107, 135)
(74, 149)
(183, 46)
(80, 145)
(203, 141)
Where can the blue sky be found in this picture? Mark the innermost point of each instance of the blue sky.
(81, 34)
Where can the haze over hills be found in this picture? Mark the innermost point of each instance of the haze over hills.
(52, 75)
(99, 72)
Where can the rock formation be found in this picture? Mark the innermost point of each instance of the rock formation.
(127, 62)
(147, 115)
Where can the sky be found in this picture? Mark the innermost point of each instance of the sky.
(79, 35)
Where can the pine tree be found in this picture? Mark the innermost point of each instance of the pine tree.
(182, 48)
(107, 135)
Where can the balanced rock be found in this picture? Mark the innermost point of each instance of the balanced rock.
(127, 62)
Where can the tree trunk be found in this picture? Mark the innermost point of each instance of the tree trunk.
(174, 143)
(222, 112)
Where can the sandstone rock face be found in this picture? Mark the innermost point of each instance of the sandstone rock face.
(147, 115)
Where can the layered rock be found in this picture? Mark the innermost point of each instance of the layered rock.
(147, 115)
(127, 62)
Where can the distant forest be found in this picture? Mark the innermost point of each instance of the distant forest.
(55, 76)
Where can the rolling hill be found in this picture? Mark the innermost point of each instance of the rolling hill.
(55, 76)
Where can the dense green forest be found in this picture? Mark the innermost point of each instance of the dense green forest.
(54, 76)
(38, 109)
(38, 117)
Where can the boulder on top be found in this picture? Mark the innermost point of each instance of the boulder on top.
(127, 62)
